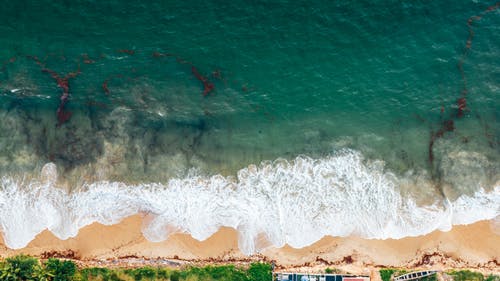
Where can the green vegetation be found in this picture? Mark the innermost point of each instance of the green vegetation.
(259, 272)
(331, 271)
(493, 278)
(59, 270)
(95, 273)
(26, 268)
(20, 268)
(386, 274)
(467, 275)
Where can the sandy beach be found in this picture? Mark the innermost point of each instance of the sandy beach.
(474, 246)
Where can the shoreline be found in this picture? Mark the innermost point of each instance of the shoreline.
(475, 246)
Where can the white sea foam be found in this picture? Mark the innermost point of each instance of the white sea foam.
(295, 203)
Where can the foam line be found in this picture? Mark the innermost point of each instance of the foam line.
(295, 203)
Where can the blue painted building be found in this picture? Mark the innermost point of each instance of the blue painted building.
(286, 276)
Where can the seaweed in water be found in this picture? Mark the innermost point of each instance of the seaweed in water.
(63, 83)
(448, 124)
(207, 85)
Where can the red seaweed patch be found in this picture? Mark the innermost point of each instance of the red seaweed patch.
(126, 51)
(448, 125)
(63, 83)
(207, 85)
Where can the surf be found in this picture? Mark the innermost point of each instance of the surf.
(294, 203)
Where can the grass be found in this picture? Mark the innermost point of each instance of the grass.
(467, 275)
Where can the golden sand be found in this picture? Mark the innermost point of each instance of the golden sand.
(474, 246)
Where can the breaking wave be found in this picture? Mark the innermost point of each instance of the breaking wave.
(289, 202)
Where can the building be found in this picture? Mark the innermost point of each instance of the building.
(286, 276)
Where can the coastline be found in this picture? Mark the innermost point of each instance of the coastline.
(475, 246)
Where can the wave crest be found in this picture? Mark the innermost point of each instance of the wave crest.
(295, 203)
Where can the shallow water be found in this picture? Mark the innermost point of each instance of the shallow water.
(318, 109)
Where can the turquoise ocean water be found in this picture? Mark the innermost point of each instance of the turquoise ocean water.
(292, 119)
